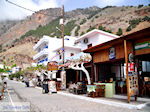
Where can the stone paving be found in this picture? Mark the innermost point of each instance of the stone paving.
(60, 103)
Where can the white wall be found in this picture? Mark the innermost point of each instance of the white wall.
(68, 52)
(95, 40)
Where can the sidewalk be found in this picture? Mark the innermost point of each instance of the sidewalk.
(110, 101)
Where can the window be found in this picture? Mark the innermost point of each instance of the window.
(71, 54)
(39, 49)
(90, 45)
(145, 66)
(59, 56)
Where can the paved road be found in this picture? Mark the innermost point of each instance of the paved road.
(59, 103)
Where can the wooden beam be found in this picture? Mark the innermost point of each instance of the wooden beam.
(126, 61)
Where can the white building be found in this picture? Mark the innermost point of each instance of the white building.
(94, 38)
(47, 49)
(50, 49)
(44, 49)
(15, 69)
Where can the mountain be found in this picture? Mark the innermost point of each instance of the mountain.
(117, 20)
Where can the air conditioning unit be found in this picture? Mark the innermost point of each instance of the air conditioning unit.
(85, 41)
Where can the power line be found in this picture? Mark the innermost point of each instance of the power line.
(26, 8)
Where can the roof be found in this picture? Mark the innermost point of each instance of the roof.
(94, 32)
(139, 34)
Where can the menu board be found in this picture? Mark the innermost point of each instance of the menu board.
(52, 86)
(133, 83)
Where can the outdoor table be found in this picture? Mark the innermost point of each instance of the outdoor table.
(109, 89)
(91, 88)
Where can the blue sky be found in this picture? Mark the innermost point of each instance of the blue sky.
(11, 12)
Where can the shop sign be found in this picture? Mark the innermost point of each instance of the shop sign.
(112, 54)
(131, 67)
(143, 45)
(51, 66)
(133, 83)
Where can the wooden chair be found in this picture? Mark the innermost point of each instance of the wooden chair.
(100, 91)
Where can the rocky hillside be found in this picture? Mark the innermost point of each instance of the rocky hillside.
(116, 20)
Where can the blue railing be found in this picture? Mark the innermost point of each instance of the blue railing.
(41, 61)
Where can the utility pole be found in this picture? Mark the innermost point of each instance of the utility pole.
(63, 72)
(62, 34)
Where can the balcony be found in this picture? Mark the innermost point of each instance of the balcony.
(42, 41)
(42, 61)
(40, 54)
(41, 49)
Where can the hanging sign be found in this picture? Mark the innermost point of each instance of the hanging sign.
(51, 66)
(143, 45)
(112, 54)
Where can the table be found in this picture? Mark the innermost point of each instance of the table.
(109, 89)
(91, 88)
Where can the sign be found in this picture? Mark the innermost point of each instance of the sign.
(51, 66)
(143, 45)
(112, 54)
(52, 86)
(131, 67)
(133, 83)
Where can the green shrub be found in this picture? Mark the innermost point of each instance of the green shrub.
(83, 21)
(109, 31)
(128, 28)
(146, 18)
(96, 16)
(82, 33)
(133, 23)
(93, 13)
(43, 30)
(69, 27)
(77, 30)
(101, 28)
(90, 29)
(16, 75)
(139, 6)
(119, 32)
(1, 48)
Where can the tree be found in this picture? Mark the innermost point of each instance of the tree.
(1, 49)
(101, 28)
(129, 28)
(119, 32)
(82, 33)
(140, 6)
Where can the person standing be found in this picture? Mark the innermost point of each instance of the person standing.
(26, 80)
(45, 84)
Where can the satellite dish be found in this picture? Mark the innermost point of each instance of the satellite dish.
(85, 40)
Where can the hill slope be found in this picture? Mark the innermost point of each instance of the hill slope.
(116, 20)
